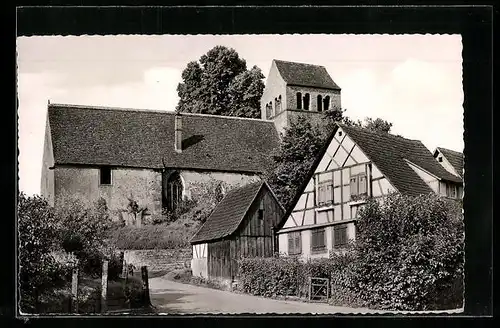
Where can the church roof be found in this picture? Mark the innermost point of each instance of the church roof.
(455, 158)
(88, 135)
(305, 75)
(228, 214)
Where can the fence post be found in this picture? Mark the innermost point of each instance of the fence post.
(310, 288)
(104, 286)
(145, 286)
(74, 289)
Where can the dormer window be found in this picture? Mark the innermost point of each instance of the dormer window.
(299, 100)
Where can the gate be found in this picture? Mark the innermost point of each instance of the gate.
(319, 289)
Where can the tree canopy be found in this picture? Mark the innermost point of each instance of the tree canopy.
(377, 124)
(220, 84)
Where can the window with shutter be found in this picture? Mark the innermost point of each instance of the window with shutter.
(354, 186)
(294, 243)
(318, 239)
(339, 236)
(321, 195)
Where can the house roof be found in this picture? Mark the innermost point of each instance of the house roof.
(389, 152)
(229, 213)
(305, 75)
(455, 158)
(145, 139)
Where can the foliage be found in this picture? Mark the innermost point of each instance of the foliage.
(376, 125)
(407, 248)
(220, 84)
(298, 150)
(37, 228)
(270, 277)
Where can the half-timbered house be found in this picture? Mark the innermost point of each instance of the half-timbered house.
(243, 224)
(354, 165)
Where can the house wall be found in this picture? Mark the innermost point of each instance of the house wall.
(254, 238)
(342, 159)
(199, 260)
(191, 179)
(431, 180)
(143, 185)
(47, 177)
(275, 86)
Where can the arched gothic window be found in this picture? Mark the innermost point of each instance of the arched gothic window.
(299, 100)
(306, 101)
(326, 103)
(174, 191)
(320, 103)
(278, 108)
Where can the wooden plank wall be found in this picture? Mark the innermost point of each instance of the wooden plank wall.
(253, 238)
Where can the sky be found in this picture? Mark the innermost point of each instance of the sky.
(413, 81)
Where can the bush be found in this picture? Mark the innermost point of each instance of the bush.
(269, 277)
(407, 249)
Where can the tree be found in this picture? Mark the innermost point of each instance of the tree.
(37, 228)
(377, 125)
(299, 148)
(220, 84)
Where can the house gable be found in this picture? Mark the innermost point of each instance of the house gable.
(341, 159)
(451, 160)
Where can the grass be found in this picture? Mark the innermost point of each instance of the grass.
(161, 236)
(185, 276)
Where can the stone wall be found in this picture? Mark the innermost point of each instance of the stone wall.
(159, 259)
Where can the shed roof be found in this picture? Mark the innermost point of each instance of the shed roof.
(145, 139)
(229, 213)
(455, 158)
(306, 75)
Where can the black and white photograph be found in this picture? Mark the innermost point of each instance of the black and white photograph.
(231, 174)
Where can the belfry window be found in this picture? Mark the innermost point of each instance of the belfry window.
(320, 103)
(306, 101)
(326, 103)
(299, 100)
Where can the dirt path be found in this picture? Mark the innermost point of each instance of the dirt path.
(172, 297)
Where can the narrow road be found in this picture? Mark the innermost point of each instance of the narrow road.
(172, 297)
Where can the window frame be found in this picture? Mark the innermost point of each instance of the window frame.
(110, 170)
(297, 247)
(339, 228)
(325, 185)
(315, 248)
(356, 178)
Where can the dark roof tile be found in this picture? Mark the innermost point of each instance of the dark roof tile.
(228, 214)
(455, 158)
(305, 75)
(145, 139)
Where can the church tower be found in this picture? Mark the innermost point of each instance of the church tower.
(296, 89)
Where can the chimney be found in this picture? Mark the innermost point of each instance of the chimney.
(178, 133)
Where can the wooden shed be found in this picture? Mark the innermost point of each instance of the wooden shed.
(241, 225)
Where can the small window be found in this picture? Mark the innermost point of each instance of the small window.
(294, 243)
(299, 100)
(440, 159)
(261, 212)
(105, 175)
(358, 185)
(318, 242)
(339, 236)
